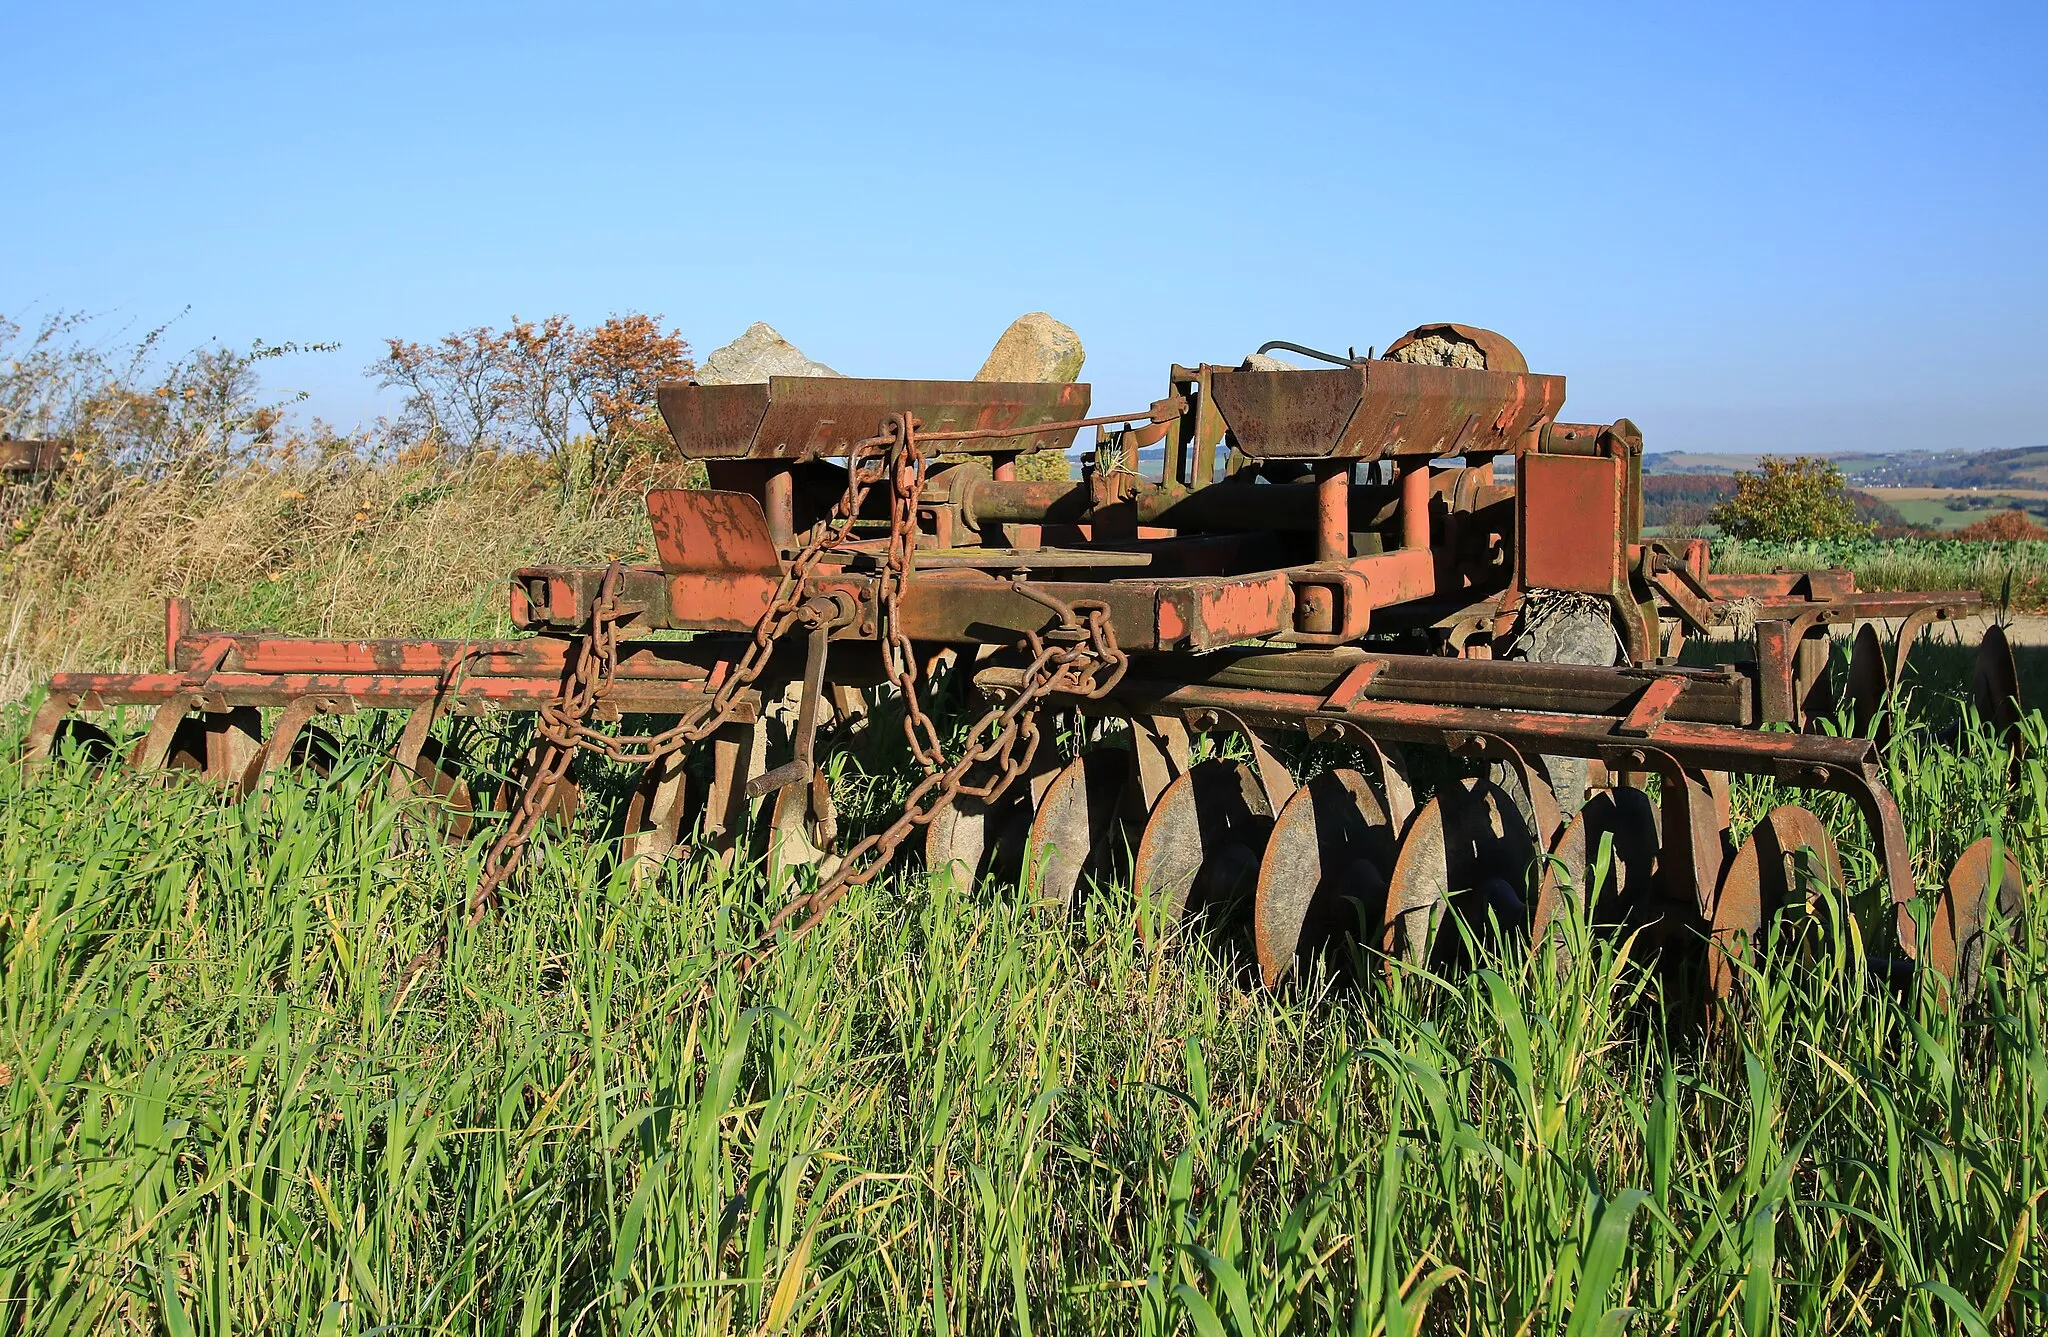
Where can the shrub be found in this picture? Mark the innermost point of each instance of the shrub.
(1789, 500)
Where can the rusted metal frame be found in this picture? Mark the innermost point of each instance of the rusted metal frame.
(1687, 597)
(1699, 746)
(1651, 707)
(23, 459)
(1572, 533)
(534, 657)
(1823, 586)
(1712, 695)
(1859, 606)
(1792, 656)
(778, 502)
(1333, 510)
(1415, 494)
(800, 768)
(1355, 590)
(474, 696)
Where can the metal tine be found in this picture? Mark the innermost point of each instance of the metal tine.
(655, 816)
(1870, 686)
(420, 763)
(155, 747)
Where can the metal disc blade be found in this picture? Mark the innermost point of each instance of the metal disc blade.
(1626, 822)
(1995, 685)
(93, 745)
(1968, 903)
(1494, 843)
(956, 841)
(1869, 681)
(1419, 889)
(1070, 833)
(1325, 870)
(220, 745)
(1202, 842)
(1788, 853)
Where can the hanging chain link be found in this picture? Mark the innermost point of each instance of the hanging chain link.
(1076, 657)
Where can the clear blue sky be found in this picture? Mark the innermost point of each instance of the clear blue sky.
(1748, 227)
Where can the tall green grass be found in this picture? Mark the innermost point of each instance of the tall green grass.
(259, 1077)
(2018, 570)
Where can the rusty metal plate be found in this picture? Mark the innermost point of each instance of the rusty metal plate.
(1382, 408)
(1571, 518)
(705, 533)
(813, 417)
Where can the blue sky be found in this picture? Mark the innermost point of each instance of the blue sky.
(1747, 227)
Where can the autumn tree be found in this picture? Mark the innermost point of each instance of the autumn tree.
(1789, 500)
(530, 386)
(614, 373)
(459, 390)
(2009, 526)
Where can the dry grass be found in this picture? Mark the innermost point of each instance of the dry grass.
(332, 547)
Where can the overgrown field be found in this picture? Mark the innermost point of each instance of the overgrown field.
(256, 1075)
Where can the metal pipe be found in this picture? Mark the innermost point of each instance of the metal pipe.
(1415, 505)
(1333, 510)
(778, 497)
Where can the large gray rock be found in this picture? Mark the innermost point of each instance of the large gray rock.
(755, 356)
(1266, 362)
(1035, 348)
(1439, 350)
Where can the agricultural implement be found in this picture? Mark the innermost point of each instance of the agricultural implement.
(1411, 561)
(25, 461)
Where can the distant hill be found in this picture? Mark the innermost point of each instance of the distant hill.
(2025, 467)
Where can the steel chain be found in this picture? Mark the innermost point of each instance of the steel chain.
(1067, 660)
